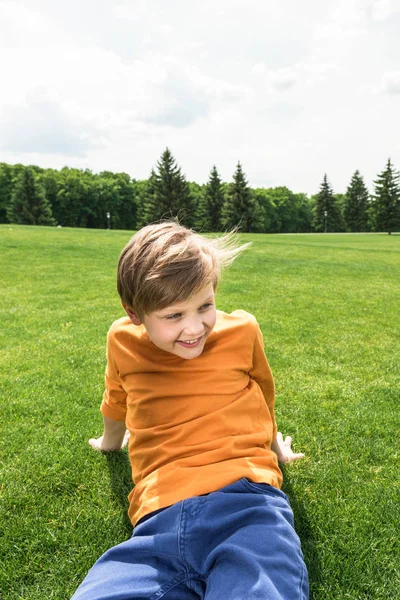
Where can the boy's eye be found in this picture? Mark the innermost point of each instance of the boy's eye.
(206, 305)
(172, 317)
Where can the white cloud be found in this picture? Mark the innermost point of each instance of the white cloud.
(283, 79)
(43, 127)
(22, 26)
(384, 9)
(391, 82)
(133, 11)
(292, 90)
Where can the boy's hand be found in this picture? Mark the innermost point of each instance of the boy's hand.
(283, 449)
(109, 445)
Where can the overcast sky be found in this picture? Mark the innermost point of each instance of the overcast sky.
(291, 89)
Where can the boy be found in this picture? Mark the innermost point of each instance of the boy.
(193, 388)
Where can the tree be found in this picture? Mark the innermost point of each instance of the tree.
(6, 186)
(141, 188)
(197, 194)
(241, 208)
(210, 205)
(118, 197)
(327, 215)
(8, 177)
(28, 204)
(285, 212)
(147, 208)
(304, 213)
(168, 194)
(50, 179)
(266, 201)
(385, 209)
(356, 204)
(71, 197)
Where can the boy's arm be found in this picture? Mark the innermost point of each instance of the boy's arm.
(115, 436)
(261, 373)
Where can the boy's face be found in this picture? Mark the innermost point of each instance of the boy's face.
(182, 329)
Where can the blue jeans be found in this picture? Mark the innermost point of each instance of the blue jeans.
(234, 544)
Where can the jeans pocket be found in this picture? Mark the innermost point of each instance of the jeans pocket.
(264, 488)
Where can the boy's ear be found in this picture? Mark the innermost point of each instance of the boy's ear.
(133, 316)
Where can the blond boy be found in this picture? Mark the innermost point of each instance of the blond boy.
(193, 388)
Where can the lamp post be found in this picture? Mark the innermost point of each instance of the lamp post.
(108, 220)
(326, 220)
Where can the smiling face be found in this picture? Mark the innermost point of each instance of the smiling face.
(182, 329)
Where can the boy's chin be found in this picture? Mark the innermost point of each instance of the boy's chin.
(192, 356)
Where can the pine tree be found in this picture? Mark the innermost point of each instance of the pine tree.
(356, 204)
(385, 207)
(327, 216)
(210, 205)
(168, 194)
(29, 205)
(147, 207)
(241, 208)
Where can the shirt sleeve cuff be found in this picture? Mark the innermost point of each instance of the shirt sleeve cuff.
(112, 413)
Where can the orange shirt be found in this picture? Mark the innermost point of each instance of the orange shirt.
(195, 425)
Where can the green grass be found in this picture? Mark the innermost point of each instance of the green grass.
(329, 309)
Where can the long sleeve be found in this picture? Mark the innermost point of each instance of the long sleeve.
(262, 374)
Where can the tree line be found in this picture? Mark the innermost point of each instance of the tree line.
(80, 198)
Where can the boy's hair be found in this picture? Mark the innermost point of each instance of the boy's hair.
(166, 263)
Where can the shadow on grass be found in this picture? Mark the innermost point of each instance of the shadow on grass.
(120, 472)
(305, 533)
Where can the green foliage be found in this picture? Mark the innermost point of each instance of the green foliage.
(73, 198)
(355, 209)
(167, 194)
(83, 199)
(140, 188)
(147, 200)
(210, 204)
(385, 208)
(28, 203)
(327, 215)
(6, 185)
(119, 197)
(80, 198)
(304, 217)
(49, 179)
(9, 175)
(241, 208)
(285, 212)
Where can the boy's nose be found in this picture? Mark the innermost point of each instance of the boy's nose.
(194, 328)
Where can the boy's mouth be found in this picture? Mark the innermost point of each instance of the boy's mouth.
(190, 343)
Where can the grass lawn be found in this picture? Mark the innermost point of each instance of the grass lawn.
(329, 308)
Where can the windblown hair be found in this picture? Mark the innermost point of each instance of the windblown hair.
(166, 263)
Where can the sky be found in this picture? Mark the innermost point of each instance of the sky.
(292, 90)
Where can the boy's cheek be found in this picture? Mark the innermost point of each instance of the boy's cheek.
(213, 320)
